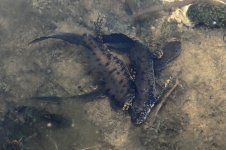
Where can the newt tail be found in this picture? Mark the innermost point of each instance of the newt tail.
(117, 81)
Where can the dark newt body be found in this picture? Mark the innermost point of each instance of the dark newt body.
(68, 37)
(145, 97)
(115, 74)
(123, 44)
(146, 66)
(171, 50)
(117, 80)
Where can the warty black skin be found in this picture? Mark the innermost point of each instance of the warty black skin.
(145, 98)
(118, 83)
(123, 44)
(171, 50)
(142, 64)
(145, 65)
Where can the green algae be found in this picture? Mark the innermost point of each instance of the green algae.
(209, 14)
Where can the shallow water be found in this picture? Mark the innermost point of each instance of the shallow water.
(193, 117)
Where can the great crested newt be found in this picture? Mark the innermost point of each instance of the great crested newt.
(144, 65)
(135, 89)
(116, 79)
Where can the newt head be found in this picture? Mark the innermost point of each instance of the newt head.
(171, 51)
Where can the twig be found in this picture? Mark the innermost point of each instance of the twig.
(159, 106)
(162, 87)
(163, 100)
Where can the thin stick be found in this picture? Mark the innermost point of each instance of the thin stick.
(159, 106)
(160, 86)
